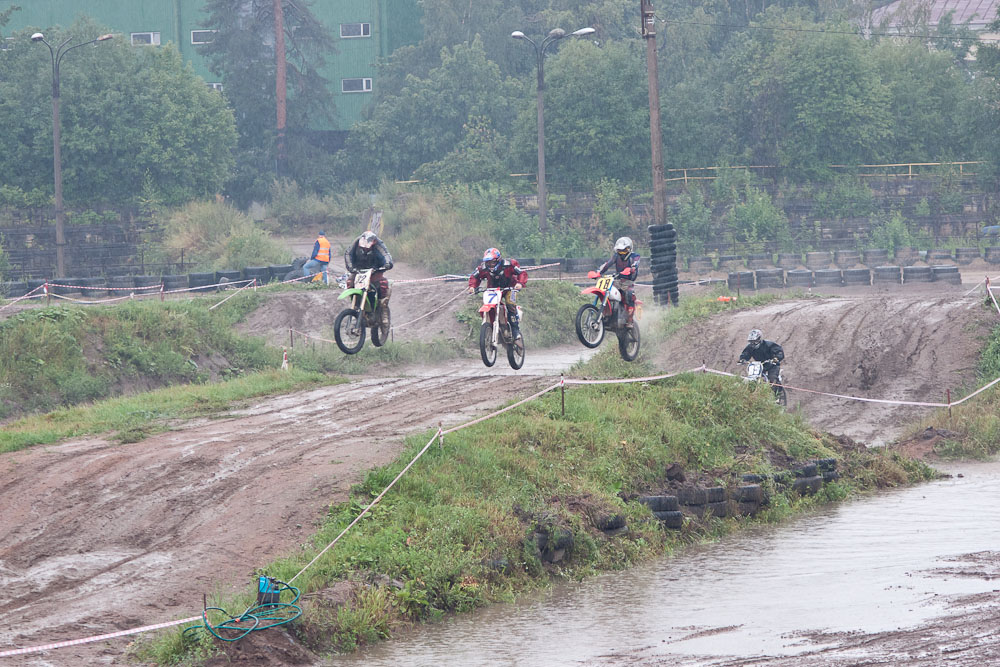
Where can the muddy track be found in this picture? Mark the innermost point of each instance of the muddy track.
(100, 536)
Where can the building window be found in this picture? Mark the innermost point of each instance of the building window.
(348, 30)
(215, 86)
(202, 36)
(356, 85)
(145, 38)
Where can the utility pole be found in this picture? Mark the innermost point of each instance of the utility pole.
(279, 54)
(659, 185)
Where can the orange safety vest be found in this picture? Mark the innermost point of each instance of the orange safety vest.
(324, 249)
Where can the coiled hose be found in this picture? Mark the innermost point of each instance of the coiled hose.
(267, 614)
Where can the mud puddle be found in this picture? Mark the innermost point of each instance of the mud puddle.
(828, 588)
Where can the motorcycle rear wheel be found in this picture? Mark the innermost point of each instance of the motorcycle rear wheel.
(628, 342)
(349, 331)
(486, 348)
(589, 325)
(515, 352)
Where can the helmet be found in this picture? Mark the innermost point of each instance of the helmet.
(755, 337)
(623, 246)
(367, 240)
(492, 259)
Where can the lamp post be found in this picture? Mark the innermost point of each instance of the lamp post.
(554, 35)
(57, 54)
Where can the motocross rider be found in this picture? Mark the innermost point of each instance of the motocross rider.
(626, 267)
(766, 351)
(369, 252)
(499, 273)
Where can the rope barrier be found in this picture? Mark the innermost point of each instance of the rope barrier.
(989, 290)
(430, 312)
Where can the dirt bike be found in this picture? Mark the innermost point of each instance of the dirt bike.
(495, 329)
(757, 373)
(607, 312)
(364, 311)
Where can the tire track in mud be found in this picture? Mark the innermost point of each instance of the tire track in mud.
(90, 526)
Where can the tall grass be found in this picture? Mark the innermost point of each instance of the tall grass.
(216, 236)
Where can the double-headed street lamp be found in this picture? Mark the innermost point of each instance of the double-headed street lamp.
(57, 54)
(554, 35)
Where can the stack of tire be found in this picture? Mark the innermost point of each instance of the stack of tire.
(663, 263)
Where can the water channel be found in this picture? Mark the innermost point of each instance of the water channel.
(862, 565)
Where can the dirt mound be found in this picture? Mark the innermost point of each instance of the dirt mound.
(312, 311)
(896, 345)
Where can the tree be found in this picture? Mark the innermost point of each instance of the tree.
(596, 115)
(242, 55)
(128, 114)
(427, 118)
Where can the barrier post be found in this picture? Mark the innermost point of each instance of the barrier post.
(162, 297)
(562, 391)
(441, 435)
(948, 395)
(291, 338)
(48, 299)
(284, 359)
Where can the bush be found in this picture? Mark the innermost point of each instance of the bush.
(848, 198)
(891, 233)
(216, 236)
(693, 220)
(756, 220)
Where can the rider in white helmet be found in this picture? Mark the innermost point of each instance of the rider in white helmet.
(626, 267)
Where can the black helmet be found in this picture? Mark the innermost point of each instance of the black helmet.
(755, 338)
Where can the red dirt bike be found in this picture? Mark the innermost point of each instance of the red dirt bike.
(495, 330)
(607, 313)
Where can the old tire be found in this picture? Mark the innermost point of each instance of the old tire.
(349, 331)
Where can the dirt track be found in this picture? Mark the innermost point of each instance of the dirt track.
(99, 537)
(903, 344)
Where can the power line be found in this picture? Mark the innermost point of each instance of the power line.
(825, 32)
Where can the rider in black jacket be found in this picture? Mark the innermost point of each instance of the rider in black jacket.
(767, 351)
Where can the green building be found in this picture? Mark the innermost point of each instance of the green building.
(364, 31)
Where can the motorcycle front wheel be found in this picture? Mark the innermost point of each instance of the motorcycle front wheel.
(628, 342)
(515, 352)
(589, 325)
(380, 332)
(349, 331)
(780, 397)
(486, 348)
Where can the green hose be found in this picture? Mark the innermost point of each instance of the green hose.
(257, 617)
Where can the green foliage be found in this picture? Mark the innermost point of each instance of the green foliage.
(298, 210)
(756, 220)
(891, 232)
(430, 117)
(473, 219)
(847, 197)
(216, 236)
(167, 122)
(15, 197)
(693, 221)
(478, 157)
(590, 136)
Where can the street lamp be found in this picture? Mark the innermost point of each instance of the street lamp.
(57, 54)
(554, 35)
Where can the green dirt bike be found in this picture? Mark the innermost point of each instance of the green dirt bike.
(365, 311)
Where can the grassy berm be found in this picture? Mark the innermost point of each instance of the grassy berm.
(530, 497)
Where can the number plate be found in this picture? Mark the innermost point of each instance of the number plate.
(604, 282)
(362, 279)
(492, 296)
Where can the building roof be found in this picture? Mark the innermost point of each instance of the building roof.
(977, 13)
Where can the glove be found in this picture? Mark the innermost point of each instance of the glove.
(470, 290)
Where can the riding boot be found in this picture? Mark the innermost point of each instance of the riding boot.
(629, 315)
(515, 331)
(384, 310)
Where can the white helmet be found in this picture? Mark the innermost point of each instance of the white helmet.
(367, 240)
(623, 246)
